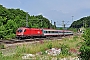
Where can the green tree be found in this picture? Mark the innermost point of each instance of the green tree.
(11, 19)
(83, 22)
(85, 48)
(2, 31)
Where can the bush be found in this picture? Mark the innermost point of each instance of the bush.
(85, 48)
(75, 38)
(64, 50)
(85, 52)
(2, 46)
(43, 51)
(49, 46)
(9, 36)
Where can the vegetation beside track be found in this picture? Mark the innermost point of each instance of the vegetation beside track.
(66, 44)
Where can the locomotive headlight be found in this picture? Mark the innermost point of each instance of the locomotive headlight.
(19, 34)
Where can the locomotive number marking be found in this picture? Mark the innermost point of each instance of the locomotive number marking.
(38, 32)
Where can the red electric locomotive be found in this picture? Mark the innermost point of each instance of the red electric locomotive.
(24, 32)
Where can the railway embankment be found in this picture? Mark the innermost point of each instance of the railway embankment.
(65, 48)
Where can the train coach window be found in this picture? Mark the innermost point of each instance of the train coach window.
(19, 31)
(45, 31)
(56, 31)
(52, 31)
(59, 32)
(48, 31)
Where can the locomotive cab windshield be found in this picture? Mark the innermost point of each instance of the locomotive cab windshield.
(20, 30)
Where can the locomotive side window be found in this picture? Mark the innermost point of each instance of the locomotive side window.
(25, 30)
(19, 31)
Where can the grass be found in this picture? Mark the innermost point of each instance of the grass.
(2, 46)
(72, 42)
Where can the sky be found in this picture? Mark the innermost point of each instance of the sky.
(55, 10)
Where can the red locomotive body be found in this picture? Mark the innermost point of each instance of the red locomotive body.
(28, 32)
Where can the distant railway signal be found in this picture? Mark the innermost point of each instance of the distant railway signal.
(64, 24)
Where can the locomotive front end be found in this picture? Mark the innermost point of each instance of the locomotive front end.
(20, 33)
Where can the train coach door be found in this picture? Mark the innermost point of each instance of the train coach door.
(63, 32)
(43, 32)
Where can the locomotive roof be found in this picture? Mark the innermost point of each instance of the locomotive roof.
(29, 28)
(42, 29)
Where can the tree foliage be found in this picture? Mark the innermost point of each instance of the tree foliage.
(85, 48)
(11, 19)
(83, 22)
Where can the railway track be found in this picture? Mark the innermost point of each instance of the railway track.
(15, 42)
(12, 41)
